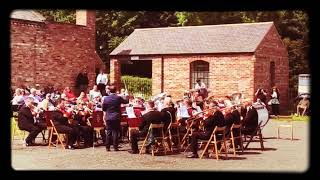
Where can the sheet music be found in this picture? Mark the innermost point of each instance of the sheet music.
(183, 112)
(130, 112)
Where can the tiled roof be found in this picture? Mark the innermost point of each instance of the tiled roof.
(29, 15)
(226, 38)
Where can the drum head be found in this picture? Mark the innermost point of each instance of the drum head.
(263, 114)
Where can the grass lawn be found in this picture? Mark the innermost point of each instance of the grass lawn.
(293, 117)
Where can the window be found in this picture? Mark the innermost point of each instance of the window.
(272, 73)
(199, 70)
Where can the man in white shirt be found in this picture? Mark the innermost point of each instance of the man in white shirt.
(102, 81)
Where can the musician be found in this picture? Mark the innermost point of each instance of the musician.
(26, 121)
(80, 121)
(111, 115)
(215, 119)
(82, 98)
(250, 120)
(187, 103)
(153, 116)
(60, 120)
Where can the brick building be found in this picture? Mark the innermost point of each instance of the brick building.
(54, 53)
(228, 58)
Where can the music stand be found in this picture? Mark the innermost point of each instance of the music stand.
(97, 123)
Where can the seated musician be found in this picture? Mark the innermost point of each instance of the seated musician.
(82, 98)
(198, 99)
(60, 120)
(167, 104)
(232, 116)
(183, 116)
(80, 121)
(151, 116)
(27, 122)
(46, 103)
(250, 120)
(215, 119)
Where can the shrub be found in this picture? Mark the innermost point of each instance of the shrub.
(137, 86)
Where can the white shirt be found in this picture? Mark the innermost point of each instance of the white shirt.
(197, 86)
(17, 100)
(93, 94)
(102, 79)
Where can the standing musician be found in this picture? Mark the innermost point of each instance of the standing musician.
(60, 120)
(27, 121)
(215, 119)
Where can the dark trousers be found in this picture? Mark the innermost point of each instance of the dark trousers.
(83, 88)
(275, 109)
(72, 133)
(33, 130)
(194, 140)
(134, 139)
(112, 133)
(86, 132)
(102, 89)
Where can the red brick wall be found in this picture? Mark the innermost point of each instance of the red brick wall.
(272, 49)
(227, 73)
(52, 52)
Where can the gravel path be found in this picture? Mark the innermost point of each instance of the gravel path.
(280, 155)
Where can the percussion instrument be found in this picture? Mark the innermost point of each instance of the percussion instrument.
(263, 114)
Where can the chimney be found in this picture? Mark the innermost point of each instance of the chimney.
(81, 17)
(86, 18)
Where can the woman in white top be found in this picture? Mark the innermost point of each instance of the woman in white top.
(274, 101)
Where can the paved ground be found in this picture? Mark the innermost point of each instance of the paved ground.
(280, 155)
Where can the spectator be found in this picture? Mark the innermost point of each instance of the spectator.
(82, 81)
(18, 97)
(304, 105)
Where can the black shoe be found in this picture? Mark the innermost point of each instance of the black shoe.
(30, 144)
(116, 149)
(70, 147)
(133, 152)
(107, 149)
(193, 156)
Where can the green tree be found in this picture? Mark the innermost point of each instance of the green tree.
(59, 15)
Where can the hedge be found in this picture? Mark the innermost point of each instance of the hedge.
(137, 86)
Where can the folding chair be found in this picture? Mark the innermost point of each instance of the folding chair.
(233, 138)
(289, 125)
(133, 124)
(257, 132)
(97, 124)
(217, 131)
(52, 130)
(158, 138)
(16, 131)
(189, 131)
(169, 134)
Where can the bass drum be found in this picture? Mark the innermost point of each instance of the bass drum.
(263, 114)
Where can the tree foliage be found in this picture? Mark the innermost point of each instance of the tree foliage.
(114, 26)
(59, 15)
